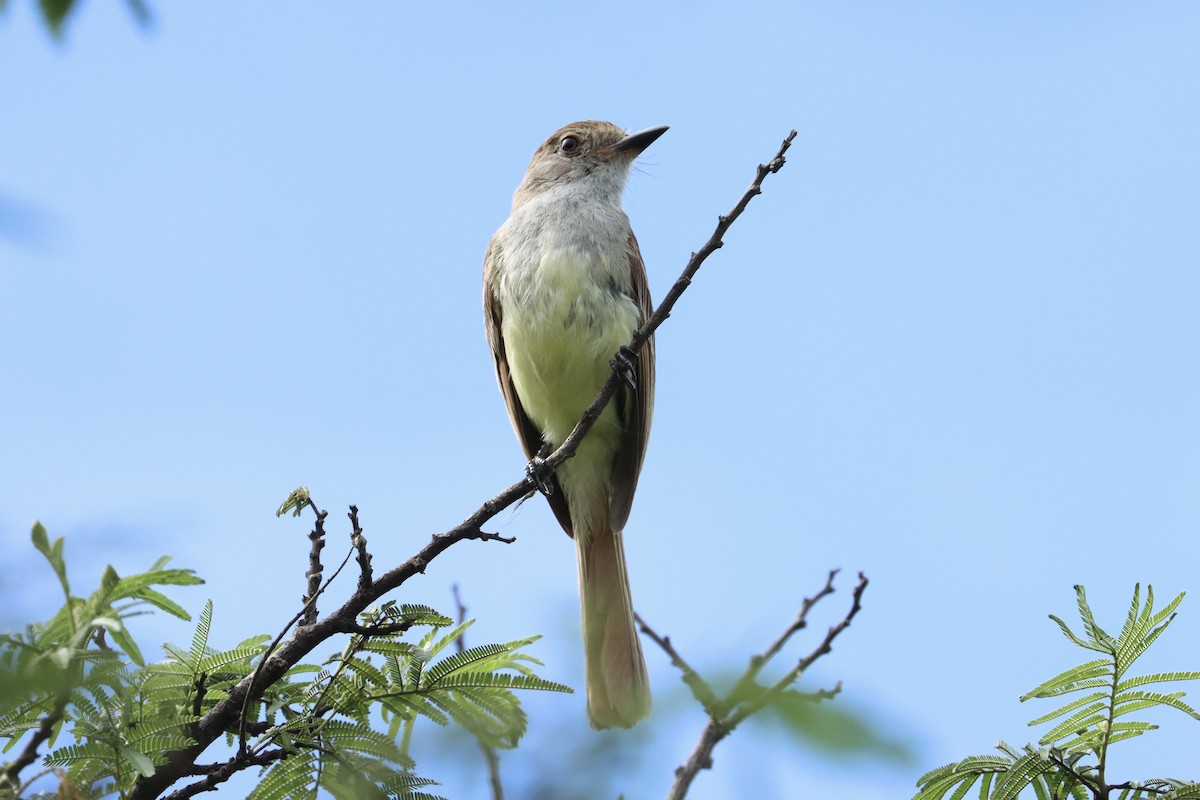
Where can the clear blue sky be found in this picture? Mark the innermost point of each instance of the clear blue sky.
(954, 345)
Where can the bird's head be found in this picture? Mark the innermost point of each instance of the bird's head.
(590, 157)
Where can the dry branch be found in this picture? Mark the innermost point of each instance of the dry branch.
(747, 697)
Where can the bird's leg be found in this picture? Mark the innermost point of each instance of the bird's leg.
(623, 364)
(535, 468)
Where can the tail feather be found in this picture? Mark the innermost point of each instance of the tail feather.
(618, 688)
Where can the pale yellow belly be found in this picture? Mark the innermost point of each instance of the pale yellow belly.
(560, 340)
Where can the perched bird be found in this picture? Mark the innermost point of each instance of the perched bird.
(564, 288)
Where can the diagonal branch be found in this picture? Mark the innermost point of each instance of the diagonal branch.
(225, 714)
(700, 688)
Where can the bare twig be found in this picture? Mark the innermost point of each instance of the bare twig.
(493, 765)
(201, 687)
(279, 658)
(821, 649)
(360, 545)
(460, 611)
(250, 695)
(700, 688)
(216, 774)
(747, 697)
(317, 537)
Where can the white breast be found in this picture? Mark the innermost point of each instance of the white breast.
(563, 283)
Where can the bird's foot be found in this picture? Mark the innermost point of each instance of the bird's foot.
(535, 471)
(623, 364)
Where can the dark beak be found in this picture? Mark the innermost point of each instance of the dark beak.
(637, 142)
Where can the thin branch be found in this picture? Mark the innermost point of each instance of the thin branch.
(216, 774)
(460, 611)
(201, 687)
(315, 570)
(747, 697)
(826, 646)
(700, 759)
(493, 765)
(276, 662)
(801, 620)
(360, 546)
(700, 688)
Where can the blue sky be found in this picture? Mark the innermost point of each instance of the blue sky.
(953, 345)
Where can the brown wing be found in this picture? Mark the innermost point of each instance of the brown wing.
(634, 407)
(527, 433)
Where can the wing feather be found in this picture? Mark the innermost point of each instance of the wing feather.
(527, 433)
(635, 407)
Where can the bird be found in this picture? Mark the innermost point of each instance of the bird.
(564, 289)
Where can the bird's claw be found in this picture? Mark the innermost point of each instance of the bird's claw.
(533, 471)
(623, 365)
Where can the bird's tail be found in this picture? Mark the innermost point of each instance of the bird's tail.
(618, 689)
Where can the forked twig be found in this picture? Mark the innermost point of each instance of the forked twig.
(747, 697)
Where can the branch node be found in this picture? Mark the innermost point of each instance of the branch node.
(484, 536)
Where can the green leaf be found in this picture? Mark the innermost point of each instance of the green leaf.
(53, 554)
(935, 784)
(499, 680)
(1157, 677)
(832, 727)
(1020, 775)
(1074, 704)
(200, 637)
(164, 603)
(123, 640)
(290, 777)
(295, 502)
(1128, 702)
(139, 761)
(108, 581)
(241, 656)
(1095, 633)
(1091, 675)
(457, 661)
(1087, 717)
(385, 646)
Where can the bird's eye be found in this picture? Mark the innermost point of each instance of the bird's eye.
(568, 144)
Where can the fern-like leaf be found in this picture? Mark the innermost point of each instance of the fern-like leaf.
(289, 778)
(1022, 773)
(1128, 702)
(200, 637)
(499, 680)
(457, 661)
(1091, 675)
